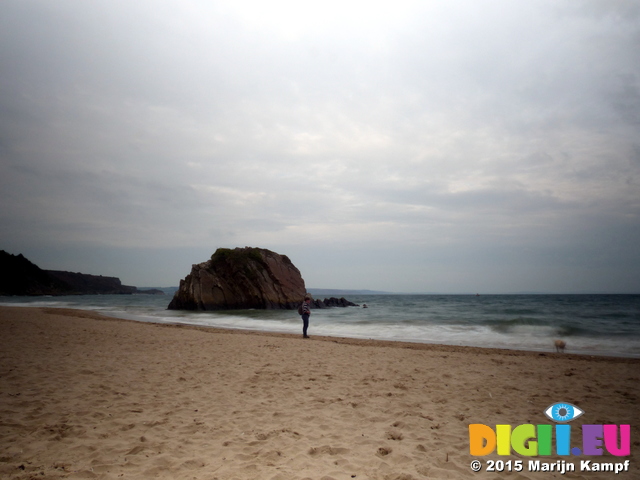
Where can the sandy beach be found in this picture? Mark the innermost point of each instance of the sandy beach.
(86, 396)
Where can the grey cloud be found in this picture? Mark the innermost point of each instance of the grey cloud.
(454, 132)
(619, 9)
(626, 100)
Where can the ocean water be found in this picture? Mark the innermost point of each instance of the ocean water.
(590, 324)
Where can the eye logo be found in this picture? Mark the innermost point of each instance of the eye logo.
(563, 412)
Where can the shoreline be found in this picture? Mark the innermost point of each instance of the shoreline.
(493, 326)
(83, 395)
(347, 340)
(373, 342)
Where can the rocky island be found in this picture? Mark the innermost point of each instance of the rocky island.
(244, 278)
(241, 278)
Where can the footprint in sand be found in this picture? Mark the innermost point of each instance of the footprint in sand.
(327, 450)
(383, 451)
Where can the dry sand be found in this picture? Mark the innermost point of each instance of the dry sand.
(85, 396)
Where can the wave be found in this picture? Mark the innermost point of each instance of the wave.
(592, 324)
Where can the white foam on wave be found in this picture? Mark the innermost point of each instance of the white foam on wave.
(36, 304)
(521, 337)
(373, 323)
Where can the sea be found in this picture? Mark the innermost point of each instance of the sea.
(607, 325)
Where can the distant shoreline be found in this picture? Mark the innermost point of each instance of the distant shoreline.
(328, 291)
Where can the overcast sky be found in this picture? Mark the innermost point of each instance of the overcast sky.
(457, 147)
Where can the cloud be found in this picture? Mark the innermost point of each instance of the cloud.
(450, 133)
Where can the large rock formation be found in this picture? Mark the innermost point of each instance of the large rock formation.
(239, 279)
(18, 276)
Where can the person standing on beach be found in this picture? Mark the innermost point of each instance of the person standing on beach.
(306, 313)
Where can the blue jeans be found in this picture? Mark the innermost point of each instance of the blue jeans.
(305, 324)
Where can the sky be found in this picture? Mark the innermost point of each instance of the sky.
(404, 146)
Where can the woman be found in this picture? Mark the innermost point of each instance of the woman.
(306, 313)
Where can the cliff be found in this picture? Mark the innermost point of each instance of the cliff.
(241, 278)
(18, 276)
(83, 283)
